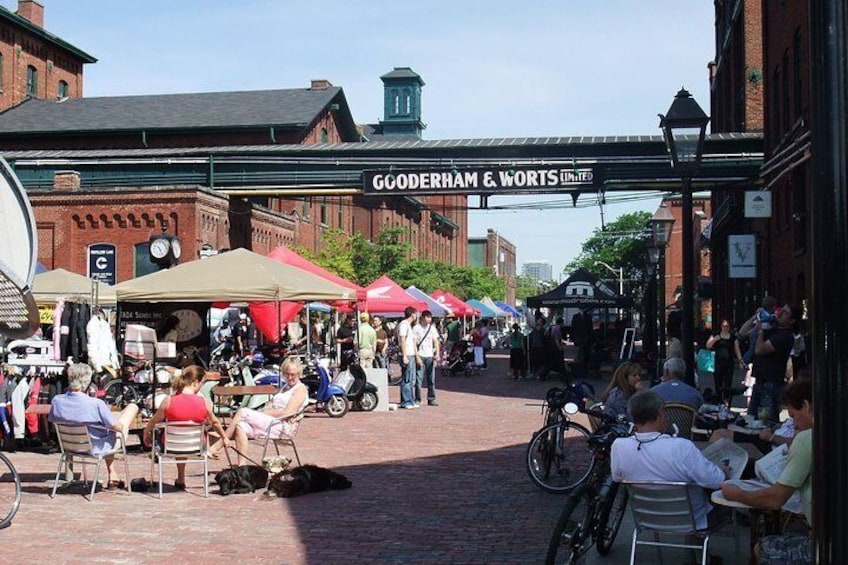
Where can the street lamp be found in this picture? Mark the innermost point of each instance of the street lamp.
(620, 274)
(661, 225)
(684, 127)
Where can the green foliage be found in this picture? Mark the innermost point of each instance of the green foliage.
(526, 286)
(465, 282)
(623, 243)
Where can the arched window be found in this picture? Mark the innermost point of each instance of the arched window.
(63, 89)
(324, 135)
(396, 101)
(32, 81)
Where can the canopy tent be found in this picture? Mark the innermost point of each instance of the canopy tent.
(235, 276)
(438, 310)
(387, 298)
(457, 306)
(485, 311)
(580, 290)
(269, 316)
(50, 286)
(508, 309)
(489, 303)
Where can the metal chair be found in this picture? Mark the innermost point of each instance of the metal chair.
(665, 509)
(681, 415)
(291, 425)
(182, 442)
(75, 446)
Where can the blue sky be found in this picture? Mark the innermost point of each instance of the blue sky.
(492, 69)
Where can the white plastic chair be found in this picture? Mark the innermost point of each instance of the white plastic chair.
(184, 442)
(76, 447)
(665, 509)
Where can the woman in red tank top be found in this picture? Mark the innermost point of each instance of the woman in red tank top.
(184, 405)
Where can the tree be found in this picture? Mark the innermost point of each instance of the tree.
(525, 286)
(621, 244)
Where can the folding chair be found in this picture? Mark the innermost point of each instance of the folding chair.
(665, 509)
(75, 446)
(291, 425)
(681, 415)
(182, 442)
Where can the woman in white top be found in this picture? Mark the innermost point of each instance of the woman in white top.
(249, 424)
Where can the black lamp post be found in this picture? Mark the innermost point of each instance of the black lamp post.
(684, 128)
(661, 225)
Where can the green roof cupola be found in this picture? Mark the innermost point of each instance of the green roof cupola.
(402, 103)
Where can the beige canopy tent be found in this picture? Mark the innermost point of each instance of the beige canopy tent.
(235, 276)
(50, 286)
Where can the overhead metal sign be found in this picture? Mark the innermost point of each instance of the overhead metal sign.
(475, 180)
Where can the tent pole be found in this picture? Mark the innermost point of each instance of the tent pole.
(308, 335)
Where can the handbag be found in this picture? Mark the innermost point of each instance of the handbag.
(706, 361)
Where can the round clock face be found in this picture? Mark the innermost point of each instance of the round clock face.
(159, 248)
(176, 248)
(189, 327)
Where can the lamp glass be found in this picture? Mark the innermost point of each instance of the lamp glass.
(661, 225)
(653, 254)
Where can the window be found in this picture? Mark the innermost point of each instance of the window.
(324, 135)
(32, 81)
(305, 208)
(341, 214)
(396, 101)
(63, 89)
(324, 210)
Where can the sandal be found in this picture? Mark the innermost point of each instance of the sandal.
(179, 485)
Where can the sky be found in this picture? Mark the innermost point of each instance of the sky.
(491, 69)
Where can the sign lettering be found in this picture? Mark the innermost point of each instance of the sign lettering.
(101, 263)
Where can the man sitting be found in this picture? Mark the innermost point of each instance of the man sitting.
(673, 389)
(76, 407)
(797, 475)
(652, 455)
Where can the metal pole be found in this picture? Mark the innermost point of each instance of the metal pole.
(661, 305)
(829, 265)
(688, 313)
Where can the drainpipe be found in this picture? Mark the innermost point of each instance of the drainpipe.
(144, 138)
(273, 135)
(211, 171)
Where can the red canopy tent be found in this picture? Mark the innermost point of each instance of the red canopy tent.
(457, 306)
(265, 314)
(386, 297)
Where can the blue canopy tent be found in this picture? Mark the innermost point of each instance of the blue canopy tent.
(508, 309)
(485, 311)
(438, 310)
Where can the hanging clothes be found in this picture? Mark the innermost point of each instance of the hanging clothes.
(19, 407)
(32, 419)
(101, 344)
(80, 315)
(57, 329)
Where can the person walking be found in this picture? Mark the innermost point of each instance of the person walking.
(537, 348)
(516, 353)
(367, 342)
(408, 359)
(727, 355)
(380, 360)
(427, 344)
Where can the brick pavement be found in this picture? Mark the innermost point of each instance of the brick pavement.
(440, 484)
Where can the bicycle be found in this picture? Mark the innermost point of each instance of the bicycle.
(594, 510)
(10, 491)
(557, 459)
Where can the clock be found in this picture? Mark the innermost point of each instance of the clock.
(159, 247)
(176, 248)
(188, 325)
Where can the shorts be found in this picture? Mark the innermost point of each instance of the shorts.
(786, 549)
(259, 425)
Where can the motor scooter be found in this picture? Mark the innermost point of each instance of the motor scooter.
(359, 392)
(324, 393)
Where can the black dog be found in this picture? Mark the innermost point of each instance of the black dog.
(241, 479)
(306, 479)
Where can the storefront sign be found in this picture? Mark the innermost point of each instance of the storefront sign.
(500, 179)
(757, 204)
(742, 254)
(101, 262)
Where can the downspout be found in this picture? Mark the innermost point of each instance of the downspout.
(144, 138)
(212, 171)
(273, 135)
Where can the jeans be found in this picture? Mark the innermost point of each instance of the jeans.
(407, 383)
(426, 374)
(766, 395)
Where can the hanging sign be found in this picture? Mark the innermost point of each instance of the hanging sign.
(742, 254)
(101, 262)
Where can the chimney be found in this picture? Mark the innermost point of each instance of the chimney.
(32, 11)
(320, 84)
(65, 181)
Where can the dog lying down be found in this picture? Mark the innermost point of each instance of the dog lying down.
(297, 481)
(241, 479)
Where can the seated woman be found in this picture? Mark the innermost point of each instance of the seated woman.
(250, 424)
(185, 405)
(621, 388)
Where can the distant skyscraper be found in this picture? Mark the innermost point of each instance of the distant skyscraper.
(539, 270)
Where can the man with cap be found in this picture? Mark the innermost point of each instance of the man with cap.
(367, 342)
(242, 331)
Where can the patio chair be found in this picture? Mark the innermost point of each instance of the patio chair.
(291, 425)
(76, 447)
(665, 509)
(182, 442)
(681, 415)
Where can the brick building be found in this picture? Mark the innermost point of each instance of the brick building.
(495, 252)
(35, 63)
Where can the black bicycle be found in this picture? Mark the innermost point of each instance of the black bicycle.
(557, 457)
(10, 491)
(594, 510)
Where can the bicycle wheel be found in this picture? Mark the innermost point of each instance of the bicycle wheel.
(118, 393)
(610, 518)
(572, 535)
(558, 458)
(10, 491)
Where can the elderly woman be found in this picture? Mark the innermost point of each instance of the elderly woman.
(621, 388)
(76, 407)
(249, 424)
(185, 405)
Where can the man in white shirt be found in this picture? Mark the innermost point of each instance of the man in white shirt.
(408, 358)
(427, 342)
(651, 455)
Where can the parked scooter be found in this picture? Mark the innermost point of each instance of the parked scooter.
(324, 393)
(359, 392)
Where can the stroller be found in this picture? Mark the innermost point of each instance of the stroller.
(460, 359)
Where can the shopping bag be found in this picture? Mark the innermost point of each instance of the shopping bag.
(706, 361)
